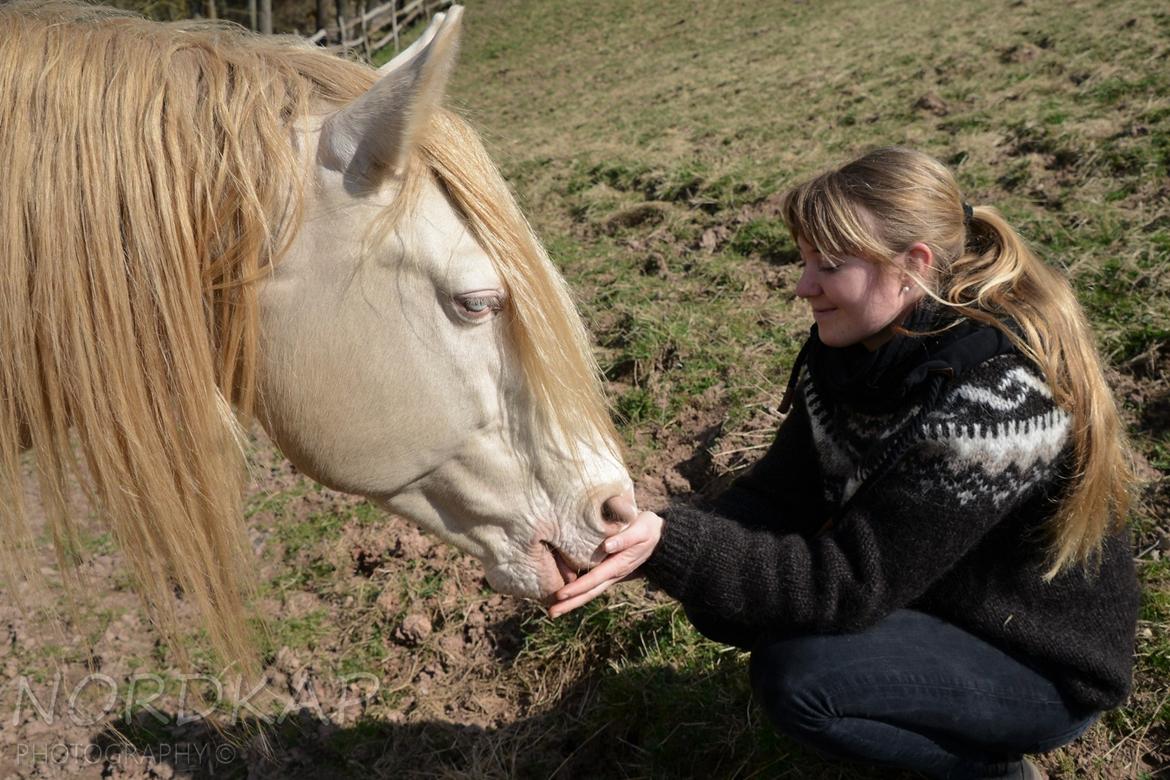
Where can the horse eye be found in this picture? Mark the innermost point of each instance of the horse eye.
(477, 306)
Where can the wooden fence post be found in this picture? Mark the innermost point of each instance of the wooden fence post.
(394, 16)
(323, 17)
(365, 27)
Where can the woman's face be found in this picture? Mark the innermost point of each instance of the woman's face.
(852, 299)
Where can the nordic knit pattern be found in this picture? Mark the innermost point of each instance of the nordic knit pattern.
(954, 528)
(996, 437)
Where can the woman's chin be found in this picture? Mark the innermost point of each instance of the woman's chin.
(834, 340)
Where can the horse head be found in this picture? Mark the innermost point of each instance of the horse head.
(418, 347)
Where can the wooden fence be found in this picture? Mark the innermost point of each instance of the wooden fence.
(377, 27)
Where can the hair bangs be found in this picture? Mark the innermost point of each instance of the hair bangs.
(825, 214)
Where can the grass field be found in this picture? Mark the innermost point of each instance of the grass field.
(647, 143)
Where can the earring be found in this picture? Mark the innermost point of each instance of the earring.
(905, 288)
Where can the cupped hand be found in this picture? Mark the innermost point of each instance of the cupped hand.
(624, 552)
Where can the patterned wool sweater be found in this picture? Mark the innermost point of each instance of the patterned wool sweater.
(954, 527)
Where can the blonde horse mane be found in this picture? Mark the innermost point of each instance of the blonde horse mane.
(152, 183)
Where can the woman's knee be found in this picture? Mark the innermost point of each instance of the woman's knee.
(791, 680)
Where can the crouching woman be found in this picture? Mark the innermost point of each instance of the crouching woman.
(929, 565)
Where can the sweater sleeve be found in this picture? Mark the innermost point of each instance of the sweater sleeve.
(783, 489)
(782, 492)
(926, 513)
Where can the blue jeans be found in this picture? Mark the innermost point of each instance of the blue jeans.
(913, 692)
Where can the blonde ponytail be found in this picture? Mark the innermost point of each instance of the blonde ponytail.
(997, 280)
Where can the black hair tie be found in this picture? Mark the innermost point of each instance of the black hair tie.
(968, 212)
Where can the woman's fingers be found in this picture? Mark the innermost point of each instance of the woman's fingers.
(606, 571)
(616, 543)
(568, 605)
(623, 553)
(626, 538)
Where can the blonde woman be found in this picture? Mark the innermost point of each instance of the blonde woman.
(929, 565)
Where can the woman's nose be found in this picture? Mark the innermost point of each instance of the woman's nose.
(807, 286)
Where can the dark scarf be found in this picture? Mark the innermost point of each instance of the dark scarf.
(880, 381)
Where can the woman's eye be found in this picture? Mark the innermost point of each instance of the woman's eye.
(827, 269)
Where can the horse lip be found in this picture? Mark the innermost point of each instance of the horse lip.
(568, 568)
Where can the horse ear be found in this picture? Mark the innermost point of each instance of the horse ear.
(373, 136)
(409, 53)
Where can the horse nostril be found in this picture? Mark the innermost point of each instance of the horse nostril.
(604, 517)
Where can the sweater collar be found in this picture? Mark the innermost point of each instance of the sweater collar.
(934, 341)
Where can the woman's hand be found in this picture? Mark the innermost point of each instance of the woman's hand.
(624, 552)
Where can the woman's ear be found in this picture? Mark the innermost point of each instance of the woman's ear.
(919, 259)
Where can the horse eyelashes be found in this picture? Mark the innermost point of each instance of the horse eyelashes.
(479, 306)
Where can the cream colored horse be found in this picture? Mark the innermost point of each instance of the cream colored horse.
(198, 219)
